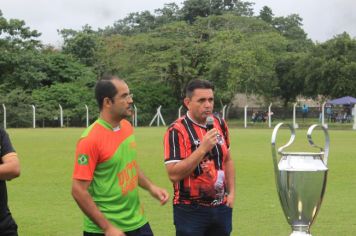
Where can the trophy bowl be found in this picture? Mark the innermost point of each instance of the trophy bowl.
(301, 180)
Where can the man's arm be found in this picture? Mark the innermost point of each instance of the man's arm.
(182, 169)
(87, 205)
(156, 192)
(230, 180)
(10, 168)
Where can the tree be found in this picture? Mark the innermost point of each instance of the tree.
(168, 14)
(18, 59)
(71, 96)
(134, 23)
(290, 86)
(32, 69)
(151, 94)
(266, 14)
(242, 8)
(21, 69)
(242, 55)
(193, 8)
(291, 28)
(18, 107)
(329, 68)
(202, 8)
(16, 35)
(83, 44)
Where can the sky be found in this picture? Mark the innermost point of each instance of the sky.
(322, 19)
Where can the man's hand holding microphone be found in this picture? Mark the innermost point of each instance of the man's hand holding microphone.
(210, 138)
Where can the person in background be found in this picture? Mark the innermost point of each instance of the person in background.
(329, 114)
(305, 110)
(9, 169)
(198, 162)
(106, 173)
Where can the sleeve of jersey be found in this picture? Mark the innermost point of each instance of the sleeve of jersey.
(6, 146)
(86, 159)
(173, 146)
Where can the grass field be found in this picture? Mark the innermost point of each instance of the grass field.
(42, 205)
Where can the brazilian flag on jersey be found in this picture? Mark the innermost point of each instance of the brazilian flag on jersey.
(107, 158)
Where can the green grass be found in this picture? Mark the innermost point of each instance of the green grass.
(42, 205)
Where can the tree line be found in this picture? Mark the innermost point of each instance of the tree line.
(158, 52)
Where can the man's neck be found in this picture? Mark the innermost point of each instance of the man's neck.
(107, 118)
(203, 123)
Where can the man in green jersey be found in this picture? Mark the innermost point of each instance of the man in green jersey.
(106, 174)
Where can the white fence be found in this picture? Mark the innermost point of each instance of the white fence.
(265, 117)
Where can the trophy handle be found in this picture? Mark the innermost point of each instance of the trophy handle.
(273, 142)
(324, 150)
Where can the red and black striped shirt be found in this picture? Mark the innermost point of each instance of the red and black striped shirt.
(206, 185)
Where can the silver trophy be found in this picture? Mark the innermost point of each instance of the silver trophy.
(301, 180)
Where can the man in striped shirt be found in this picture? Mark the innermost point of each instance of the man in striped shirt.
(198, 162)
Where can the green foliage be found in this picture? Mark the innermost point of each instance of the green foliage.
(289, 85)
(83, 45)
(291, 28)
(158, 53)
(169, 13)
(32, 69)
(194, 8)
(18, 110)
(238, 54)
(241, 8)
(266, 14)
(16, 35)
(329, 68)
(18, 62)
(36, 72)
(140, 22)
(71, 96)
(32, 74)
(242, 58)
(145, 22)
(148, 96)
(21, 69)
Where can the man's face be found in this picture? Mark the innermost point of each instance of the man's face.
(121, 106)
(200, 105)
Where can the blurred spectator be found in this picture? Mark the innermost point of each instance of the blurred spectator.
(305, 110)
(329, 113)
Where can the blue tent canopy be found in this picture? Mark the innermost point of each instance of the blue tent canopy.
(343, 101)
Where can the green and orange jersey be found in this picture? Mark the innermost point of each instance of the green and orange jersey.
(107, 158)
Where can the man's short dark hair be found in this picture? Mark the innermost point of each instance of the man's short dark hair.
(104, 88)
(197, 84)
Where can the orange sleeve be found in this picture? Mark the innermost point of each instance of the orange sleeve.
(86, 159)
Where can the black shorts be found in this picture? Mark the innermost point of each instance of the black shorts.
(145, 230)
(8, 226)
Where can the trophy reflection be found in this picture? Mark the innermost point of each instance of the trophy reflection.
(301, 180)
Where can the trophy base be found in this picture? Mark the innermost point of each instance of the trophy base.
(299, 233)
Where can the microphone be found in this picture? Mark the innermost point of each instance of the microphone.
(209, 123)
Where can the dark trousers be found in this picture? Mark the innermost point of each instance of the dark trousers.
(8, 227)
(143, 231)
(195, 220)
